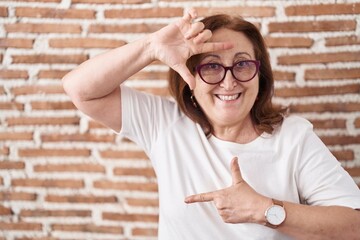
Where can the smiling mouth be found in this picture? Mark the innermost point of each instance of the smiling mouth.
(228, 97)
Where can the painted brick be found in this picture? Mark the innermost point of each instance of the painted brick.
(47, 183)
(145, 187)
(87, 137)
(54, 213)
(42, 121)
(144, 231)
(94, 168)
(112, 1)
(85, 43)
(12, 165)
(243, 11)
(3, 11)
(323, 9)
(12, 74)
(144, 13)
(142, 202)
(16, 43)
(42, 28)
(338, 41)
(313, 26)
(17, 196)
(16, 136)
(80, 199)
(89, 228)
(54, 13)
(5, 210)
(41, 152)
(124, 154)
(21, 226)
(319, 58)
(46, 58)
(130, 217)
(342, 73)
(147, 172)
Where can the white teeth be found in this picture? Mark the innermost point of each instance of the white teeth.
(228, 97)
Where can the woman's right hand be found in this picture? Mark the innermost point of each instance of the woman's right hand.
(177, 42)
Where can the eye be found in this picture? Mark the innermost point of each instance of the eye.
(211, 67)
(243, 64)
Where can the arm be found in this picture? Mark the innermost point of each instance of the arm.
(94, 85)
(240, 203)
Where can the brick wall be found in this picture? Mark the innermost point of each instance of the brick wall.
(63, 176)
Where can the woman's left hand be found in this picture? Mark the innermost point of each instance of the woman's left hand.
(238, 203)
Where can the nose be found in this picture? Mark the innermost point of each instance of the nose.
(229, 81)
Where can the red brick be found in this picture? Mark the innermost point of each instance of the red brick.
(16, 136)
(123, 154)
(88, 228)
(354, 172)
(345, 155)
(105, 184)
(11, 165)
(313, 26)
(4, 12)
(4, 150)
(13, 74)
(112, 1)
(54, 13)
(47, 58)
(90, 168)
(85, 43)
(54, 213)
(130, 217)
(52, 106)
(326, 107)
(144, 13)
(144, 231)
(42, 121)
(340, 140)
(38, 89)
(357, 123)
(128, 28)
(283, 76)
(288, 42)
(52, 74)
(322, 9)
(87, 137)
(80, 199)
(341, 73)
(319, 58)
(329, 123)
(317, 91)
(5, 211)
(42, 28)
(338, 41)
(21, 226)
(16, 43)
(44, 1)
(243, 11)
(47, 183)
(142, 202)
(17, 196)
(147, 172)
(41, 152)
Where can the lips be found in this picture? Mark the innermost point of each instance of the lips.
(228, 97)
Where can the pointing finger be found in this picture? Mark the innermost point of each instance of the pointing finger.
(202, 197)
(235, 171)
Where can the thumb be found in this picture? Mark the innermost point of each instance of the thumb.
(235, 171)
(185, 74)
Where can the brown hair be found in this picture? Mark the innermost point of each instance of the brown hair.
(263, 114)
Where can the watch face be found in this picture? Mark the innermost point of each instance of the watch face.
(275, 215)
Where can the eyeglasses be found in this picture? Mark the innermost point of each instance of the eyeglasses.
(242, 71)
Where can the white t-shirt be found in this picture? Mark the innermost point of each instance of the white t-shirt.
(290, 165)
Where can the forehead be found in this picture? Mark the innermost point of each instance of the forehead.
(240, 41)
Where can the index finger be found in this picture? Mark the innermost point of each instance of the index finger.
(202, 197)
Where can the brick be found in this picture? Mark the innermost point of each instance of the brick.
(322, 9)
(54, 13)
(37, 238)
(1, 181)
(319, 58)
(139, 231)
(11, 106)
(338, 41)
(42, 28)
(130, 217)
(85, 43)
(357, 123)
(4, 12)
(4, 150)
(42, 152)
(146, 172)
(288, 42)
(354, 172)
(54, 213)
(317, 91)
(312, 26)
(12, 165)
(42, 121)
(48, 58)
(112, 1)
(52, 105)
(43, 1)
(87, 137)
(2, 90)
(88, 228)
(5, 211)
(243, 11)
(128, 28)
(13, 74)
(326, 107)
(123, 154)
(340, 140)
(47, 183)
(144, 13)
(52, 74)
(344, 155)
(38, 89)
(16, 136)
(140, 202)
(81, 199)
(17, 196)
(126, 186)
(283, 76)
(341, 73)
(21, 226)
(329, 123)
(16, 43)
(91, 168)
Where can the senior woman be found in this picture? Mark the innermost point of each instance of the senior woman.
(229, 165)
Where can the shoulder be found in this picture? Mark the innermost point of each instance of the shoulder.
(296, 123)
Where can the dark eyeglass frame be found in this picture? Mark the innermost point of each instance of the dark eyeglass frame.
(226, 68)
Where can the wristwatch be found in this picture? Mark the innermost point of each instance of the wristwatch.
(275, 215)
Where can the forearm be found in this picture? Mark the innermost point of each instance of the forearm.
(319, 222)
(101, 75)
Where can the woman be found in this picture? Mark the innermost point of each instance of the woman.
(229, 165)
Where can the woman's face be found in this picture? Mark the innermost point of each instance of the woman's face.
(229, 102)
